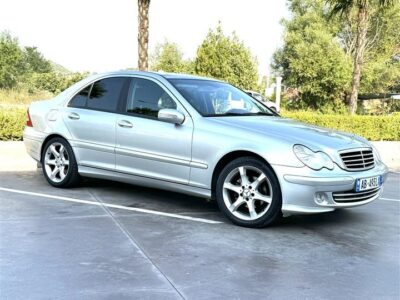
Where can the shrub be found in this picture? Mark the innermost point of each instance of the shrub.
(51, 82)
(12, 123)
(374, 128)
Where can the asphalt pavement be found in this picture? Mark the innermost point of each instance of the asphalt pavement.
(106, 240)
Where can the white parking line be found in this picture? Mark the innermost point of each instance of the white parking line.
(389, 199)
(142, 210)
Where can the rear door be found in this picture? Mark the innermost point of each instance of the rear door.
(91, 119)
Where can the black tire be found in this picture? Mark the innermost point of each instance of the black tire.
(273, 213)
(72, 177)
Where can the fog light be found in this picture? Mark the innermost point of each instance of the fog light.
(321, 198)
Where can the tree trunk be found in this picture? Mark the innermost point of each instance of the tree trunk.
(143, 34)
(361, 41)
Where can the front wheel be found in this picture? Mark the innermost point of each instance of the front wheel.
(248, 193)
(59, 163)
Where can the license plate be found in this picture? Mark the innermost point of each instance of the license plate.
(364, 184)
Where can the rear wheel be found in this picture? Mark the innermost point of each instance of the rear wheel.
(248, 193)
(59, 163)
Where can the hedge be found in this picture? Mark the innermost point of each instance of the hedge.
(12, 123)
(374, 128)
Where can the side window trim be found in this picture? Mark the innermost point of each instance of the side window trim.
(123, 95)
(87, 98)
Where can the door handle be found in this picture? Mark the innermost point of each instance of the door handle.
(74, 116)
(125, 124)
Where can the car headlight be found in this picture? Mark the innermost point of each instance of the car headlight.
(314, 160)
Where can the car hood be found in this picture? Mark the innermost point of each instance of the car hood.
(315, 137)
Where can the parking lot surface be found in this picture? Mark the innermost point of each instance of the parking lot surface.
(106, 240)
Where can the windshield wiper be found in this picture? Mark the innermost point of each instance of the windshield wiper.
(260, 113)
(233, 114)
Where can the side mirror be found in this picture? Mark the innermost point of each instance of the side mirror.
(171, 116)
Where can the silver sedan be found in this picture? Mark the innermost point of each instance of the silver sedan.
(201, 137)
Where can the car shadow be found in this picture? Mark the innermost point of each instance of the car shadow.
(164, 201)
(342, 216)
(144, 197)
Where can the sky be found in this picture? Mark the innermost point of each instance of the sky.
(100, 35)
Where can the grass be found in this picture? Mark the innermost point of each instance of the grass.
(21, 98)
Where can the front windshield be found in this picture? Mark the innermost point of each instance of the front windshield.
(213, 98)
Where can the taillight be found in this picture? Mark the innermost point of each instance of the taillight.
(28, 119)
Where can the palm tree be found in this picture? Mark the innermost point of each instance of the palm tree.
(363, 8)
(143, 34)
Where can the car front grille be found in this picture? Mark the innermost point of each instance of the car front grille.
(351, 196)
(358, 159)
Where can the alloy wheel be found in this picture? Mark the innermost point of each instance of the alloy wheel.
(56, 162)
(247, 193)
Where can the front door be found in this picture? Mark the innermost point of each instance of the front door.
(146, 146)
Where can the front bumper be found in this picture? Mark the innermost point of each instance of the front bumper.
(300, 187)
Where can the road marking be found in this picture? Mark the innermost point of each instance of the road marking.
(135, 243)
(142, 210)
(389, 199)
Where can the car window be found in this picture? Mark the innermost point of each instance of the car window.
(146, 98)
(106, 93)
(214, 98)
(79, 100)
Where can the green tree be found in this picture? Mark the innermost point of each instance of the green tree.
(381, 59)
(363, 9)
(168, 57)
(226, 58)
(381, 63)
(28, 70)
(12, 62)
(35, 61)
(312, 60)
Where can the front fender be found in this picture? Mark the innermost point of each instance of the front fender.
(210, 144)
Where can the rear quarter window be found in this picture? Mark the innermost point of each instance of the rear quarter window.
(80, 99)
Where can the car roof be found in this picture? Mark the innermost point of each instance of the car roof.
(184, 76)
(157, 74)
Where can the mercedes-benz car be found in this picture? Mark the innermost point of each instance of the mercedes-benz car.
(201, 137)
